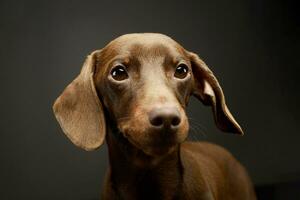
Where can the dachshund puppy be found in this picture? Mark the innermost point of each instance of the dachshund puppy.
(133, 94)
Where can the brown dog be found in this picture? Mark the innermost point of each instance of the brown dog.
(133, 92)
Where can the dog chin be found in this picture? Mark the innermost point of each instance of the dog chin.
(159, 151)
(159, 148)
(154, 150)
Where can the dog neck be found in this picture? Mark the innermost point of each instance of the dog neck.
(135, 174)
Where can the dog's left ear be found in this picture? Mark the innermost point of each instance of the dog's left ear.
(79, 110)
(208, 90)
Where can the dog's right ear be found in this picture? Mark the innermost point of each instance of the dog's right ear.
(79, 110)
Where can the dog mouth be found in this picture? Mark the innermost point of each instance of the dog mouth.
(154, 146)
(152, 140)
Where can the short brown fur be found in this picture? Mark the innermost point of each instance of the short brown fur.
(149, 160)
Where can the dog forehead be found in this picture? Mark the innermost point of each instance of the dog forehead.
(145, 45)
(141, 47)
(146, 38)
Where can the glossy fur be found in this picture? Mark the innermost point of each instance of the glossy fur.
(146, 161)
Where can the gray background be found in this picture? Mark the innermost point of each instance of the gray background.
(252, 46)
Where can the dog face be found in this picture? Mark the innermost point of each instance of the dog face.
(144, 82)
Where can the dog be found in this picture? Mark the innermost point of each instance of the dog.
(133, 94)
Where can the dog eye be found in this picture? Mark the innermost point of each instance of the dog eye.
(119, 73)
(181, 71)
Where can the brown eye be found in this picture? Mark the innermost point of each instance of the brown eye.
(181, 71)
(119, 73)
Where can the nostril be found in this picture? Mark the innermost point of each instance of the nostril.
(175, 121)
(164, 117)
(157, 121)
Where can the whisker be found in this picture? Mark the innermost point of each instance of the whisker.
(196, 133)
(197, 123)
(192, 134)
(199, 129)
(128, 117)
(196, 128)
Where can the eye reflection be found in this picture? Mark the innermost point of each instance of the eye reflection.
(119, 73)
(181, 71)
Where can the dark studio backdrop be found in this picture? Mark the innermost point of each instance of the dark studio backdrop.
(252, 47)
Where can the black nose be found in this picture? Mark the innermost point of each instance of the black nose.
(167, 117)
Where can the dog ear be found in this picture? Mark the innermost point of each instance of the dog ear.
(79, 110)
(208, 90)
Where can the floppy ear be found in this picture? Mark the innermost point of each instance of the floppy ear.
(208, 90)
(79, 110)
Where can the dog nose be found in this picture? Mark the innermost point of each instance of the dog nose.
(167, 117)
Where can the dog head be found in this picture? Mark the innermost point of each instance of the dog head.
(144, 82)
